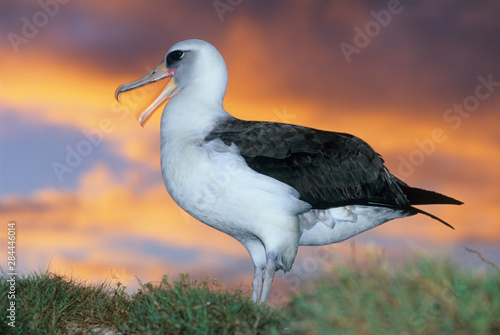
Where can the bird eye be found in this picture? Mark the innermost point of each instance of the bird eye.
(174, 56)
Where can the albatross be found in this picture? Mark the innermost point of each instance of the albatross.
(272, 186)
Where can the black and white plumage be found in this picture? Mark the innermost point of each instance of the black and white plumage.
(272, 186)
(328, 169)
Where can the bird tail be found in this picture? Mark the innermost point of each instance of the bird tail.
(418, 196)
(415, 210)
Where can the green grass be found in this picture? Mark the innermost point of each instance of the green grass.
(51, 304)
(423, 297)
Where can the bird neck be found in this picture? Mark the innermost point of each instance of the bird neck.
(192, 113)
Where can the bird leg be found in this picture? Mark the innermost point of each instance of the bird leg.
(268, 277)
(257, 284)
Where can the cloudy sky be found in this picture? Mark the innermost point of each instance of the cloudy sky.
(418, 80)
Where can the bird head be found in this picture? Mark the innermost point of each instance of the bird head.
(187, 63)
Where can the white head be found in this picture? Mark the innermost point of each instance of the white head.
(190, 63)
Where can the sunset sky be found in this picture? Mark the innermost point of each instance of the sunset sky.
(418, 80)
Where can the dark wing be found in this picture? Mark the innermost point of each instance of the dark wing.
(328, 169)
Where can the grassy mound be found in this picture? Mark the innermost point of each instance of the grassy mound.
(50, 304)
(424, 297)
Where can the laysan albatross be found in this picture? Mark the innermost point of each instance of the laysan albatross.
(272, 186)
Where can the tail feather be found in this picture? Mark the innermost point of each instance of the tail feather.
(419, 211)
(418, 196)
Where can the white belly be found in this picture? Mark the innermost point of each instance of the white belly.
(213, 183)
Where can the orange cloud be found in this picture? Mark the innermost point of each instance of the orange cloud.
(85, 221)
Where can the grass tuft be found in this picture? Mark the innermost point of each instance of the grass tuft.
(49, 303)
(186, 307)
(428, 296)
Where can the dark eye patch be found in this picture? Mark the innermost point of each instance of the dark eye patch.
(173, 57)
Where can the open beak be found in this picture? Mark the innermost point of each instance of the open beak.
(158, 73)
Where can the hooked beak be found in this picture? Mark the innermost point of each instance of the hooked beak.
(158, 73)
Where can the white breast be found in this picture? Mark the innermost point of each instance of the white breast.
(213, 183)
